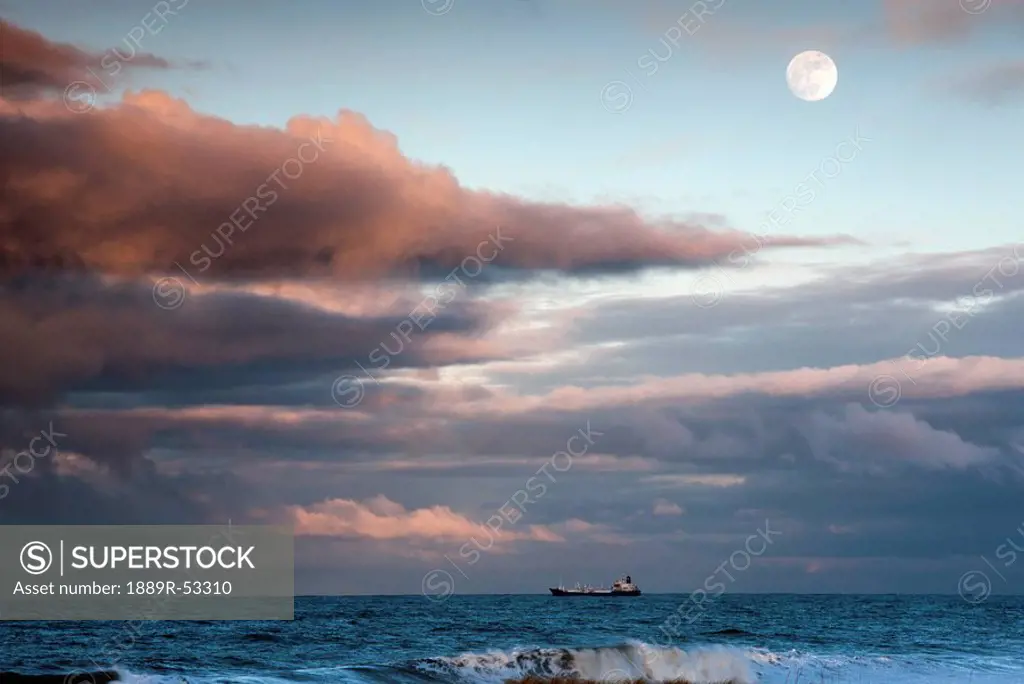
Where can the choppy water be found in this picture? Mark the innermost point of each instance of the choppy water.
(488, 639)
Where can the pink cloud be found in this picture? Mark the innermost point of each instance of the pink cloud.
(916, 22)
(201, 193)
(382, 519)
(30, 63)
(939, 376)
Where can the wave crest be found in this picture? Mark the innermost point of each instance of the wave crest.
(625, 662)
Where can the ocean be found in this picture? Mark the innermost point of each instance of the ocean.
(490, 639)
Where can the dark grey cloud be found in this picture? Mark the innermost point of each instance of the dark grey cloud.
(844, 482)
(850, 316)
(78, 334)
(852, 486)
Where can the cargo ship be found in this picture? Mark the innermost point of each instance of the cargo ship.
(622, 587)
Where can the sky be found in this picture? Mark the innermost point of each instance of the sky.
(485, 296)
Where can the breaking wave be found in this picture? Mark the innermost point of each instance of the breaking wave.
(627, 662)
(624, 662)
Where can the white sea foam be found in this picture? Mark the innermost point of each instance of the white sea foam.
(627, 661)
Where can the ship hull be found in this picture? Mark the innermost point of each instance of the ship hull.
(572, 592)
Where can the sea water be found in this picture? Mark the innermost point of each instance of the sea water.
(489, 639)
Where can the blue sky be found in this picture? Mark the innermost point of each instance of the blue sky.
(728, 391)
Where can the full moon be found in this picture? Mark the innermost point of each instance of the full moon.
(812, 75)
